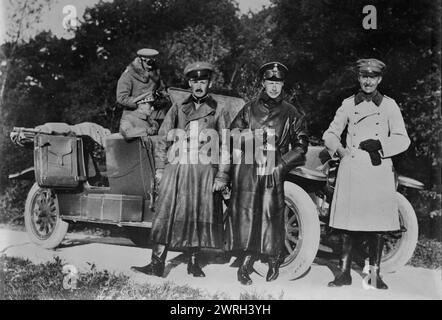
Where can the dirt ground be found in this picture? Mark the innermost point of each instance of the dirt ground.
(119, 254)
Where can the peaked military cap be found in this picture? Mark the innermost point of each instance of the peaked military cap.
(199, 70)
(373, 67)
(147, 53)
(273, 71)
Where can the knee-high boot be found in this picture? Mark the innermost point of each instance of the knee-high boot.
(245, 270)
(157, 264)
(376, 245)
(344, 278)
(193, 266)
(274, 264)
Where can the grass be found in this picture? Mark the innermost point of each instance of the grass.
(22, 280)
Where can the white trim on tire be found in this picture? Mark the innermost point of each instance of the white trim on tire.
(310, 233)
(408, 240)
(60, 229)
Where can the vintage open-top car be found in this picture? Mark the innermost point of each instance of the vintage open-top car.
(71, 186)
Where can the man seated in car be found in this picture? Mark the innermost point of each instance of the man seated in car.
(138, 123)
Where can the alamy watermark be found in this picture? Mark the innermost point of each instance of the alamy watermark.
(208, 146)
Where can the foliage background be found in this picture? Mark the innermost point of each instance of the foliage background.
(47, 79)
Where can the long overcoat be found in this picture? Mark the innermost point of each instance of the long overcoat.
(256, 208)
(136, 124)
(187, 212)
(365, 195)
(135, 81)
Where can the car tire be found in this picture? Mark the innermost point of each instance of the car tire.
(405, 246)
(301, 211)
(42, 218)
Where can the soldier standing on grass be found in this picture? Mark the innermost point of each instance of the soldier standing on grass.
(188, 212)
(365, 196)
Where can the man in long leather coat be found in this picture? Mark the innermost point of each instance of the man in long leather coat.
(188, 211)
(256, 209)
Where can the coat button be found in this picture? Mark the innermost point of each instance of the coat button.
(376, 134)
(377, 123)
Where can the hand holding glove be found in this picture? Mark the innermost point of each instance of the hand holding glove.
(370, 145)
(219, 185)
(159, 175)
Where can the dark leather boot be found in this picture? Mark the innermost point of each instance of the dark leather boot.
(274, 264)
(157, 264)
(344, 278)
(245, 270)
(193, 266)
(376, 245)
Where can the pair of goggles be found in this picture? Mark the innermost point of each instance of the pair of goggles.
(273, 75)
(149, 62)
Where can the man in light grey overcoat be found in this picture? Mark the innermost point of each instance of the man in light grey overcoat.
(365, 194)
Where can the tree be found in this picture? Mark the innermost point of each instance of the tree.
(321, 40)
(22, 15)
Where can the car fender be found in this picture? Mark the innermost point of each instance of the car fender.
(27, 174)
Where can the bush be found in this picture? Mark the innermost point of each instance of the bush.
(428, 254)
(12, 202)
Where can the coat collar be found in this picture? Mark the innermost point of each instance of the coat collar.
(138, 71)
(376, 97)
(209, 104)
(270, 102)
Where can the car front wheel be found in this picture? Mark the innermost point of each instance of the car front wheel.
(42, 218)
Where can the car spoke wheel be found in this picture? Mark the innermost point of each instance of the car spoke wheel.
(44, 214)
(42, 218)
(302, 234)
(293, 235)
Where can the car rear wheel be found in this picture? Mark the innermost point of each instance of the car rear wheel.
(302, 234)
(42, 218)
(399, 246)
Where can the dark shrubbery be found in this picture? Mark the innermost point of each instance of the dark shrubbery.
(428, 254)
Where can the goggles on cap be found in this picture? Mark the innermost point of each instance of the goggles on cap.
(273, 74)
(150, 62)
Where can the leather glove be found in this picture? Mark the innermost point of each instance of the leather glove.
(375, 158)
(370, 145)
(219, 185)
(324, 156)
(159, 175)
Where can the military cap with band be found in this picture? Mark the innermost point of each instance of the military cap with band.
(273, 71)
(147, 53)
(199, 70)
(373, 67)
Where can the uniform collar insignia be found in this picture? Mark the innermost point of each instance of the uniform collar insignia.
(208, 100)
(376, 97)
